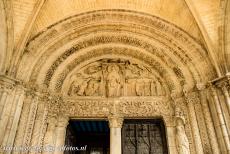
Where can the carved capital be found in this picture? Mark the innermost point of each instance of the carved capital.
(228, 78)
(54, 104)
(179, 115)
(52, 119)
(185, 90)
(200, 86)
(191, 98)
(63, 121)
(115, 121)
(20, 89)
(174, 95)
(6, 86)
(222, 82)
(212, 89)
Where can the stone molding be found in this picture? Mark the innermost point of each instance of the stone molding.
(154, 24)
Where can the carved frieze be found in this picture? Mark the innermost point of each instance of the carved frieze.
(115, 78)
(124, 107)
(87, 108)
(145, 108)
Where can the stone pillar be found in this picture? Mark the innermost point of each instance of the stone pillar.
(208, 120)
(15, 116)
(5, 106)
(5, 90)
(49, 140)
(222, 124)
(115, 124)
(53, 111)
(22, 122)
(226, 95)
(190, 99)
(31, 120)
(40, 123)
(61, 134)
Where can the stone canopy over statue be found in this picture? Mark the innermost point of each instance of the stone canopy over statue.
(115, 78)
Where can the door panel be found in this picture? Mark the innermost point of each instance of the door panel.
(143, 137)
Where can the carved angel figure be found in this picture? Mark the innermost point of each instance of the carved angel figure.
(113, 81)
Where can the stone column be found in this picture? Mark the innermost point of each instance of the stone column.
(4, 92)
(5, 106)
(61, 134)
(15, 116)
(40, 123)
(208, 120)
(115, 124)
(22, 122)
(31, 120)
(226, 95)
(222, 124)
(190, 99)
(53, 111)
(49, 143)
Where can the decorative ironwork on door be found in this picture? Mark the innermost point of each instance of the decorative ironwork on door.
(143, 137)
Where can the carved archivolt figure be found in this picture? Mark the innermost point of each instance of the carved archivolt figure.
(181, 138)
(114, 78)
(113, 81)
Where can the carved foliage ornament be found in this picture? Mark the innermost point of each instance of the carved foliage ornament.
(125, 107)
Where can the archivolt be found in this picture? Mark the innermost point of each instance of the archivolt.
(174, 55)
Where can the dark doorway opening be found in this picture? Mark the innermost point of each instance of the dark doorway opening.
(94, 135)
(144, 137)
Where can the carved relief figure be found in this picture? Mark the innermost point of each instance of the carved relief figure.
(92, 88)
(140, 86)
(153, 88)
(114, 78)
(78, 87)
(159, 89)
(181, 138)
(143, 87)
(113, 81)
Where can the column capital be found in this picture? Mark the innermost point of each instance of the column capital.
(63, 121)
(191, 98)
(115, 121)
(179, 115)
(222, 81)
(52, 120)
(212, 89)
(201, 86)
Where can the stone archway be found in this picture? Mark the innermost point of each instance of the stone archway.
(135, 66)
